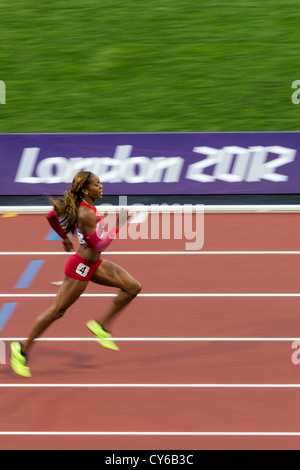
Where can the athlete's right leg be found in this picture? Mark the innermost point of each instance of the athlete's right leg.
(69, 292)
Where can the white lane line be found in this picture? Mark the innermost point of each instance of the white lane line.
(173, 295)
(218, 339)
(103, 385)
(167, 208)
(146, 433)
(45, 253)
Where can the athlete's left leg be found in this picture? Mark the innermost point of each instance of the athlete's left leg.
(68, 293)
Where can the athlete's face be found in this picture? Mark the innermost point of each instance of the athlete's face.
(95, 188)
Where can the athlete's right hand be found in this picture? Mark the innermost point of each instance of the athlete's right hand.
(67, 244)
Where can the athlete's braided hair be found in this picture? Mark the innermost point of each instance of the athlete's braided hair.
(66, 206)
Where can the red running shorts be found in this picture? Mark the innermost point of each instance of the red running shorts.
(81, 269)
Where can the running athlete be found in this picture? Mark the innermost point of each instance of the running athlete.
(76, 211)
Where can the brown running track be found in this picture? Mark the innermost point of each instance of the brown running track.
(137, 409)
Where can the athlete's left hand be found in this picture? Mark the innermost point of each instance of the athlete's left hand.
(67, 244)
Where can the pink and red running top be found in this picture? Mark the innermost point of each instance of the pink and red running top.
(94, 240)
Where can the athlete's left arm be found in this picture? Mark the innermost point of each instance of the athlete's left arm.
(87, 222)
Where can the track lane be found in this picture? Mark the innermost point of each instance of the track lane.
(136, 443)
(180, 274)
(161, 362)
(146, 410)
(167, 317)
(232, 232)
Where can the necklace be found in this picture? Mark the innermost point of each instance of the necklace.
(87, 203)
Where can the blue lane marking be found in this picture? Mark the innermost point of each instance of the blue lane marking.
(52, 235)
(6, 312)
(29, 274)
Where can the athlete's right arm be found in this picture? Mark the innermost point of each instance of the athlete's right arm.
(54, 223)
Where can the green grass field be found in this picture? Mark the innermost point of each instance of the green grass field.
(149, 66)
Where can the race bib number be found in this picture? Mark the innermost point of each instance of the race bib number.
(82, 270)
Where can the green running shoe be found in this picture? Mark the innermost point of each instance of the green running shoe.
(102, 335)
(18, 361)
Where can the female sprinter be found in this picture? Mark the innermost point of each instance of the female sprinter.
(76, 210)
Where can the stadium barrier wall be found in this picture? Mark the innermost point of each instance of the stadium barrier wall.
(153, 164)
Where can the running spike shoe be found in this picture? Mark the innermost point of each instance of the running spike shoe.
(104, 338)
(18, 361)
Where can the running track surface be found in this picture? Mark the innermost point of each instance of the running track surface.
(196, 370)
